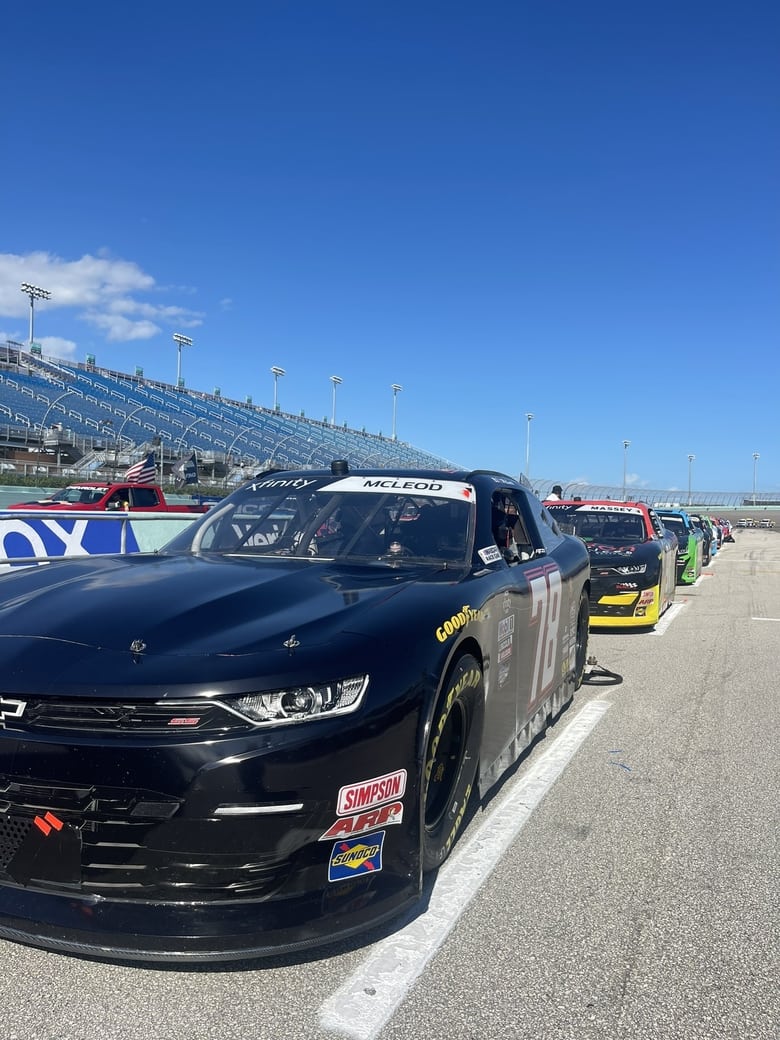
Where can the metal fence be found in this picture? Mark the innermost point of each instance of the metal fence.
(672, 498)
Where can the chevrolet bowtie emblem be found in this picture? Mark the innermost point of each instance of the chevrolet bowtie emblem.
(10, 709)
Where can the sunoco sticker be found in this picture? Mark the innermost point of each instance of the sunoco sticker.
(355, 856)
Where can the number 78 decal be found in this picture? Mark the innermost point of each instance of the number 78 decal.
(545, 585)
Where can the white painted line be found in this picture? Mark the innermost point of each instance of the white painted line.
(667, 618)
(765, 619)
(365, 1003)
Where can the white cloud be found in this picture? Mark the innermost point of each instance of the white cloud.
(104, 289)
(56, 346)
(119, 329)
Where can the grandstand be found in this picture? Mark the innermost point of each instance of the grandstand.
(69, 419)
(65, 419)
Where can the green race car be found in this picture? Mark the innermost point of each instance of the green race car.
(689, 544)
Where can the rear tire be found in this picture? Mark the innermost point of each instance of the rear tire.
(451, 759)
(581, 646)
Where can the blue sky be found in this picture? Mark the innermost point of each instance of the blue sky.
(563, 208)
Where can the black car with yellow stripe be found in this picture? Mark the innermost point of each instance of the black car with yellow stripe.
(261, 737)
(632, 559)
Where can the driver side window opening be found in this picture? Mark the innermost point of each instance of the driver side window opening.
(509, 529)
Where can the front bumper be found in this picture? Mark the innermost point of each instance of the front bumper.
(207, 851)
(635, 608)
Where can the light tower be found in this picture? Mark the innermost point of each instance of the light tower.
(528, 417)
(180, 341)
(276, 373)
(756, 457)
(396, 388)
(35, 293)
(626, 446)
(336, 380)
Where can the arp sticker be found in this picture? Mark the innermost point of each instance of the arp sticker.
(354, 856)
(351, 826)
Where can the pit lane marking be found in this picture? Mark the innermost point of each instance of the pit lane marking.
(667, 618)
(365, 1003)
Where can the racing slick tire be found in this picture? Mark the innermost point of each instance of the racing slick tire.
(451, 758)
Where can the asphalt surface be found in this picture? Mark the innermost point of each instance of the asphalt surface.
(638, 900)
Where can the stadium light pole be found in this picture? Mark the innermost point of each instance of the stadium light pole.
(691, 460)
(240, 433)
(756, 457)
(53, 403)
(626, 446)
(396, 388)
(118, 434)
(35, 293)
(127, 418)
(180, 341)
(279, 443)
(528, 417)
(336, 380)
(180, 441)
(276, 373)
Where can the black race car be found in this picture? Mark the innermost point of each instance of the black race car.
(261, 737)
(632, 559)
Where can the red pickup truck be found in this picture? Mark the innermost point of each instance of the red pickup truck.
(96, 495)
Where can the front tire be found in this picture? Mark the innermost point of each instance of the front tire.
(451, 759)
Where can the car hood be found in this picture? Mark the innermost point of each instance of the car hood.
(157, 610)
(44, 503)
(606, 555)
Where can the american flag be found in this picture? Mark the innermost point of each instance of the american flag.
(144, 472)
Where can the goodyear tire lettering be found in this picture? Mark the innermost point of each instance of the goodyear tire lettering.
(451, 759)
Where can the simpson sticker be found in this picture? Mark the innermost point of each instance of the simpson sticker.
(349, 826)
(373, 792)
(490, 554)
(355, 856)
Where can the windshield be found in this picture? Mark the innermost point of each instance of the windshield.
(346, 519)
(675, 523)
(82, 495)
(602, 526)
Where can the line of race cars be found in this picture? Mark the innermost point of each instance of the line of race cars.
(639, 555)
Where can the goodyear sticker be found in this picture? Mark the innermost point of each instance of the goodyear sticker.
(354, 856)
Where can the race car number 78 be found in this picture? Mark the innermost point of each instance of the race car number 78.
(545, 585)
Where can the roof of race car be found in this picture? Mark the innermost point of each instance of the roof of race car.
(340, 468)
(600, 505)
